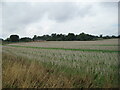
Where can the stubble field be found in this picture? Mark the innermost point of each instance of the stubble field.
(60, 64)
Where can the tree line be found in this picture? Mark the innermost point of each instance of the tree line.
(59, 37)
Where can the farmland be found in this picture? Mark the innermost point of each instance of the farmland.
(60, 64)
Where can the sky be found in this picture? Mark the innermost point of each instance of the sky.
(27, 19)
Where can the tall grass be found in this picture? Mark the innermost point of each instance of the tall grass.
(19, 72)
(57, 68)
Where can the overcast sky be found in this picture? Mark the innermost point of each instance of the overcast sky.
(38, 18)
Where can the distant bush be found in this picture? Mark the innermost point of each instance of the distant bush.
(25, 39)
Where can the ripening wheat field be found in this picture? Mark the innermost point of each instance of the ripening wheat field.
(61, 64)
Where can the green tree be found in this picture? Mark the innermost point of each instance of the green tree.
(71, 37)
(14, 38)
(101, 36)
(35, 37)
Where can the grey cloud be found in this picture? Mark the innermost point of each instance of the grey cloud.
(62, 12)
(20, 14)
(17, 16)
(66, 11)
(109, 4)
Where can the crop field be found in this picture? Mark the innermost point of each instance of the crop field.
(61, 64)
(104, 45)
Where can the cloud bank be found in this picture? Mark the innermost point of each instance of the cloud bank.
(39, 18)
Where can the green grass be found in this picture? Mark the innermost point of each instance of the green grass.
(89, 50)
